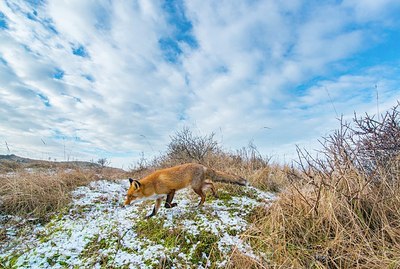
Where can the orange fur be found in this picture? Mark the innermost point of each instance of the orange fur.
(167, 181)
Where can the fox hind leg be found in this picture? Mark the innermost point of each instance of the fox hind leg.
(209, 185)
(168, 202)
(155, 209)
(201, 194)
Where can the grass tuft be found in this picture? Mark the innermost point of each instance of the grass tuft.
(38, 194)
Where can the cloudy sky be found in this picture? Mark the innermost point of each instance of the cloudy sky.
(100, 78)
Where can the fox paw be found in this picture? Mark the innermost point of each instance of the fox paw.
(168, 205)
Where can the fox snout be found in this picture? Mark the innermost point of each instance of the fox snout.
(128, 201)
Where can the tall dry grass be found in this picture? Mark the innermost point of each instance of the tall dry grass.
(309, 228)
(37, 194)
(40, 193)
(341, 211)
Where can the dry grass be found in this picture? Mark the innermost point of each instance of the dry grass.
(271, 178)
(342, 211)
(240, 260)
(9, 166)
(41, 192)
(38, 193)
(363, 233)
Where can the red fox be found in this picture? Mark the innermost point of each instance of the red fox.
(165, 182)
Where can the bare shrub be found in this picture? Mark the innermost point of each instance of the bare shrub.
(359, 159)
(377, 141)
(103, 162)
(341, 210)
(187, 147)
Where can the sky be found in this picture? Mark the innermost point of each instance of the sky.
(83, 80)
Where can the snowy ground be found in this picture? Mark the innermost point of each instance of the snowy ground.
(97, 232)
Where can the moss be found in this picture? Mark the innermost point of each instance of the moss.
(152, 228)
(206, 243)
(225, 196)
(52, 260)
(148, 262)
(233, 190)
(91, 252)
(51, 228)
(232, 232)
(193, 246)
(9, 262)
(64, 264)
(44, 239)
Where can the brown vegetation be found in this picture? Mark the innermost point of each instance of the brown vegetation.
(340, 211)
(40, 192)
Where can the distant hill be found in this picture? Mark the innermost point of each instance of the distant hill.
(14, 161)
(15, 158)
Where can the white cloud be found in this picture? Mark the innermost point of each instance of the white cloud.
(255, 64)
(370, 10)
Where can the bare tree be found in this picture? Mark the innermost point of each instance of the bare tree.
(103, 162)
(187, 147)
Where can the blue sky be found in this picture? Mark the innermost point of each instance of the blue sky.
(91, 79)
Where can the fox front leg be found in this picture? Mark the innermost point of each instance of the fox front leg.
(155, 209)
(168, 202)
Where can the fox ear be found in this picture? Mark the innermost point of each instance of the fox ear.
(130, 181)
(137, 184)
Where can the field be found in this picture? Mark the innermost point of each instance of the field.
(339, 210)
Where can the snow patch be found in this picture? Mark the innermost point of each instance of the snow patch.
(99, 232)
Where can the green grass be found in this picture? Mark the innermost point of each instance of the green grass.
(195, 247)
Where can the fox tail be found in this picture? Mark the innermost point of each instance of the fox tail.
(219, 176)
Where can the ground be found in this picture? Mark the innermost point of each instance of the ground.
(95, 231)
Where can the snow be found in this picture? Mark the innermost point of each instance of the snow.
(99, 232)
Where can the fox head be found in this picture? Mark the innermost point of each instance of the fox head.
(134, 191)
